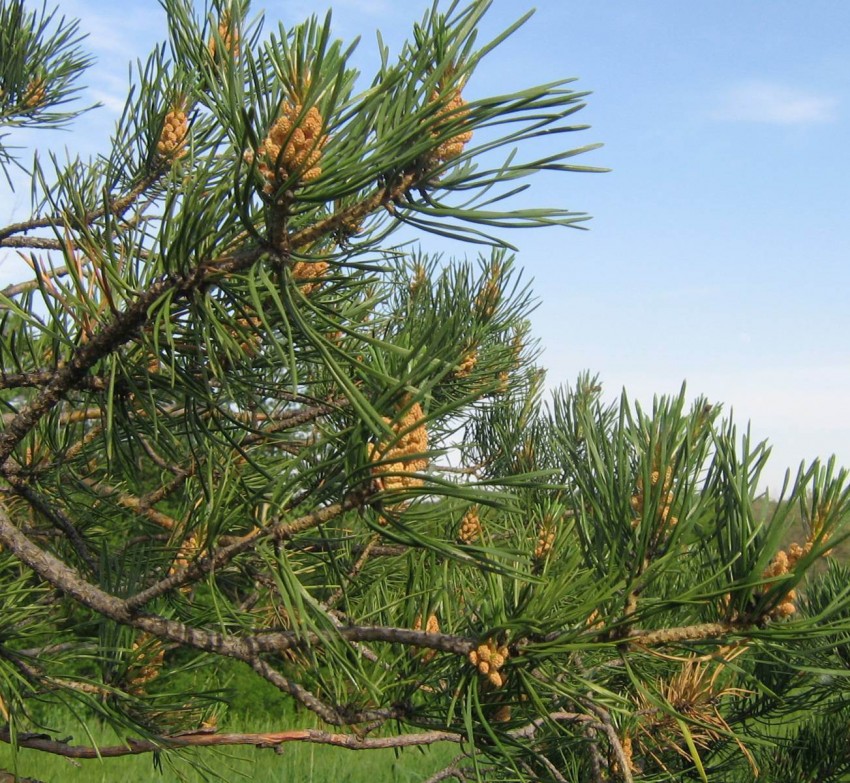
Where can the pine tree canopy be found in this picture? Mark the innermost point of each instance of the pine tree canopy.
(249, 426)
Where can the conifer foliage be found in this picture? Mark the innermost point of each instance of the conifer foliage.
(244, 426)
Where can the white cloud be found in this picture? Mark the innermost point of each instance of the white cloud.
(369, 7)
(112, 102)
(299, 11)
(774, 103)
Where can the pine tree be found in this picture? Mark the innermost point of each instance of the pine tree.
(244, 428)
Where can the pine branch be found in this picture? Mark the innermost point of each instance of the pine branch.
(282, 531)
(32, 243)
(131, 503)
(207, 738)
(41, 378)
(353, 572)
(688, 633)
(14, 290)
(109, 338)
(624, 762)
(453, 770)
(116, 207)
(272, 740)
(382, 197)
(60, 521)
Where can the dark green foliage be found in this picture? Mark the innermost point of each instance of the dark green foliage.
(248, 439)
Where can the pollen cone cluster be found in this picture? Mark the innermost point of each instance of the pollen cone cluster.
(488, 297)
(210, 723)
(293, 147)
(489, 658)
(172, 138)
(148, 655)
(782, 563)
(666, 497)
(417, 282)
(545, 539)
(628, 755)
(786, 560)
(527, 452)
(35, 456)
(35, 94)
(594, 621)
(470, 527)
(251, 324)
(454, 110)
(817, 523)
(187, 552)
(402, 455)
(467, 364)
(517, 347)
(432, 625)
(229, 36)
(312, 271)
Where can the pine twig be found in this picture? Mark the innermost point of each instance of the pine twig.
(276, 739)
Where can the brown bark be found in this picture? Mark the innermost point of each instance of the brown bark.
(208, 739)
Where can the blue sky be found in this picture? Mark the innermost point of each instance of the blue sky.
(719, 246)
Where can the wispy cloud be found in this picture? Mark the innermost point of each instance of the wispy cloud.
(774, 103)
(116, 34)
(370, 7)
(298, 11)
(110, 101)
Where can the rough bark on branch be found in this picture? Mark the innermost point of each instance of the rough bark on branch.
(207, 739)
